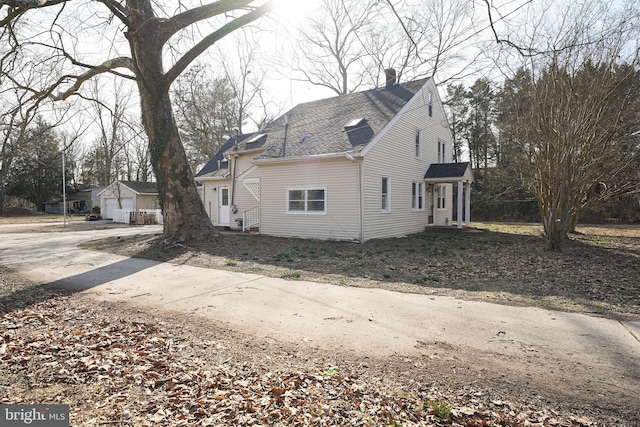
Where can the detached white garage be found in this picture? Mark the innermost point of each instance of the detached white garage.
(130, 195)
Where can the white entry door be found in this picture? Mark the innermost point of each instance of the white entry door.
(223, 206)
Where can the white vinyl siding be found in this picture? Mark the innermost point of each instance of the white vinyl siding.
(339, 179)
(240, 195)
(394, 156)
(210, 200)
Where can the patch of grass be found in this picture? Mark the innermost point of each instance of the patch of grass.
(290, 275)
(231, 263)
(29, 217)
(428, 279)
(281, 257)
(440, 409)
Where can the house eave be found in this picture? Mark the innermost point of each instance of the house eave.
(365, 150)
(301, 159)
(237, 153)
(212, 178)
(443, 180)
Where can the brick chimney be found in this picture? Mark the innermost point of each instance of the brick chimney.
(390, 73)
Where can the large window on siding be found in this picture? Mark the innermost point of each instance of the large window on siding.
(418, 145)
(417, 196)
(386, 201)
(307, 200)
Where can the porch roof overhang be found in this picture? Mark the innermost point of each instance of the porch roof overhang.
(214, 176)
(449, 172)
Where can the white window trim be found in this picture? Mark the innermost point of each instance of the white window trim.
(418, 145)
(306, 190)
(420, 196)
(388, 209)
(441, 197)
(442, 151)
(430, 104)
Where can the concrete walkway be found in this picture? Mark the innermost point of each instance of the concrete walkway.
(369, 321)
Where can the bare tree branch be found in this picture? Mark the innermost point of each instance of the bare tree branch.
(105, 67)
(212, 38)
(117, 9)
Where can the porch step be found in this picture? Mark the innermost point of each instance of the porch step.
(234, 230)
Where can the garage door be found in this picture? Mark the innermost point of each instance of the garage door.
(111, 204)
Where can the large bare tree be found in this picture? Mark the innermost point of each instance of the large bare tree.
(425, 38)
(139, 36)
(572, 113)
(332, 53)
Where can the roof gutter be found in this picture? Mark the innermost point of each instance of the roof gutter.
(304, 158)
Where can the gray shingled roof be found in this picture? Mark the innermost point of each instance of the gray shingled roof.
(318, 127)
(446, 170)
(212, 166)
(142, 187)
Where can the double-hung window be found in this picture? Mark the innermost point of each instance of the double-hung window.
(417, 196)
(386, 199)
(442, 191)
(418, 145)
(307, 200)
(442, 158)
(430, 103)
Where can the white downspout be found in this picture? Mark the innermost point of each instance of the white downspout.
(358, 162)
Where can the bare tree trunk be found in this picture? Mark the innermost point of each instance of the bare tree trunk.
(2, 197)
(179, 199)
(185, 217)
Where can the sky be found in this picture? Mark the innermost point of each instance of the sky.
(275, 41)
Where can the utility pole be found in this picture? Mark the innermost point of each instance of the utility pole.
(64, 191)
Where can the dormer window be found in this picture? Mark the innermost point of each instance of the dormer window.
(354, 124)
(223, 163)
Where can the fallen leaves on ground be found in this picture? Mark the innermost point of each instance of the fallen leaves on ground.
(127, 371)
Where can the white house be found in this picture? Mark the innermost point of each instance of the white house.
(129, 195)
(366, 165)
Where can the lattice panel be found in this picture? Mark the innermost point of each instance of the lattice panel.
(253, 185)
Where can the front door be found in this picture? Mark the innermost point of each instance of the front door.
(223, 206)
